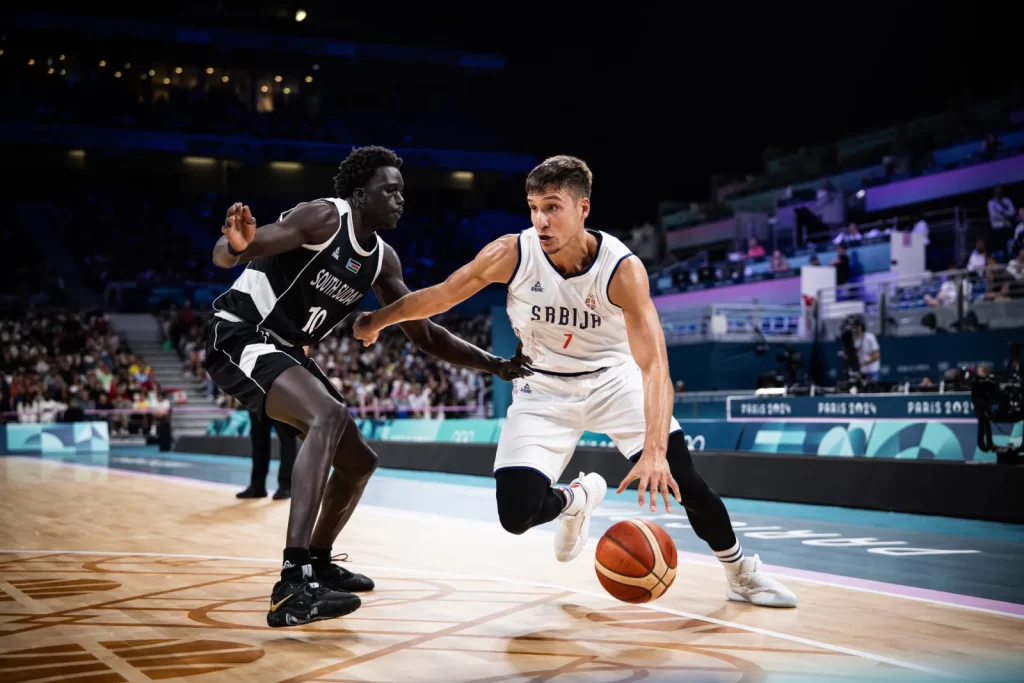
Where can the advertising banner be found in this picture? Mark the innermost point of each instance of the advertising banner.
(948, 408)
(904, 440)
(72, 437)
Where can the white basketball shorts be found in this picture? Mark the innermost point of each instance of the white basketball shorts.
(549, 414)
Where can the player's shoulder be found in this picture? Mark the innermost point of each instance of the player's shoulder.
(615, 247)
(318, 220)
(501, 248)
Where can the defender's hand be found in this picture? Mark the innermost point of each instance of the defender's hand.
(514, 367)
(239, 226)
(364, 330)
(656, 473)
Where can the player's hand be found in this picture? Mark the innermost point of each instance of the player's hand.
(654, 472)
(364, 330)
(514, 367)
(239, 226)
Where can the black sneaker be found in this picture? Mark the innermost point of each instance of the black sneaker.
(301, 600)
(252, 493)
(283, 494)
(340, 579)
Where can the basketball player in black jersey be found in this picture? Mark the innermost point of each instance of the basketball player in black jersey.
(306, 273)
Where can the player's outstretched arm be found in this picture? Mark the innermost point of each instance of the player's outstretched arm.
(311, 223)
(495, 263)
(434, 339)
(630, 290)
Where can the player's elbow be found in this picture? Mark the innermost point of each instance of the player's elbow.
(656, 369)
(222, 258)
(422, 336)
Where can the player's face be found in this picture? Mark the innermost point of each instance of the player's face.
(382, 200)
(558, 217)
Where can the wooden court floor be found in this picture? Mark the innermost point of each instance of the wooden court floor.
(107, 576)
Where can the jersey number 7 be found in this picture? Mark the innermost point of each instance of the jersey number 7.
(568, 338)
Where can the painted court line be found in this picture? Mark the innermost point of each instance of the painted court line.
(606, 598)
(891, 590)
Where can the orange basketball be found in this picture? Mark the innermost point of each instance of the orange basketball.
(636, 561)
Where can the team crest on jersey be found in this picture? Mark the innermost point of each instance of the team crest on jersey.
(591, 302)
(353, 266)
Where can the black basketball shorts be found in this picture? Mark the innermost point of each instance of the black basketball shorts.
(244, 360)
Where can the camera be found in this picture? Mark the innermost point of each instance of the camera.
(790, 361)
(997, 397)
(848, 337)
(854, 381)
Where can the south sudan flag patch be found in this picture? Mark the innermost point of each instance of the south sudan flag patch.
(353, 266)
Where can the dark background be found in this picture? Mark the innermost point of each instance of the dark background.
(658, 100)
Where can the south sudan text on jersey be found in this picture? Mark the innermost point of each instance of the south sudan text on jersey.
(332, 286)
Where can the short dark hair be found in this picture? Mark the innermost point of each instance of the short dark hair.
(561, 172)
(359, 167)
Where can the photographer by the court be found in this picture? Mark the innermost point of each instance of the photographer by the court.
(869, 353)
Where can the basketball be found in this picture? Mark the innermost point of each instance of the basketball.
(636, 561)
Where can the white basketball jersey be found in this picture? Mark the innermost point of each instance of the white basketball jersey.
(566, 323)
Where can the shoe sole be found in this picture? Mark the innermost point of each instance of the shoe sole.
(279, 619)
(736, 597)
(337, 587)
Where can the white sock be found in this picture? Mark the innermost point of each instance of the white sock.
(730, 558)
(575, 498)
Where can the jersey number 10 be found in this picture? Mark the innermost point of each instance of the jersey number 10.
(317, 315)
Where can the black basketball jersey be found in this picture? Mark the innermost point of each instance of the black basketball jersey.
(298, 297)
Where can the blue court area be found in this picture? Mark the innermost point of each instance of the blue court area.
(974, 561)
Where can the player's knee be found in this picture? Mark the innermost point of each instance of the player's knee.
(364, 463)
(331, 418)
(514, 511)
(519, 493)
(515, 521)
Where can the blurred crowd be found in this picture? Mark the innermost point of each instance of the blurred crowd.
(395, 107)
(56, 365)
(388, 379)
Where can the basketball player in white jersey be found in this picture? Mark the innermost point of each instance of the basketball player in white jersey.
(580, 303)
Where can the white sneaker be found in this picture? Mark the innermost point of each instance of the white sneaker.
(574, 527)
(751, 584)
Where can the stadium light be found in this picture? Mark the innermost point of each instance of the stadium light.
(300, 15)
